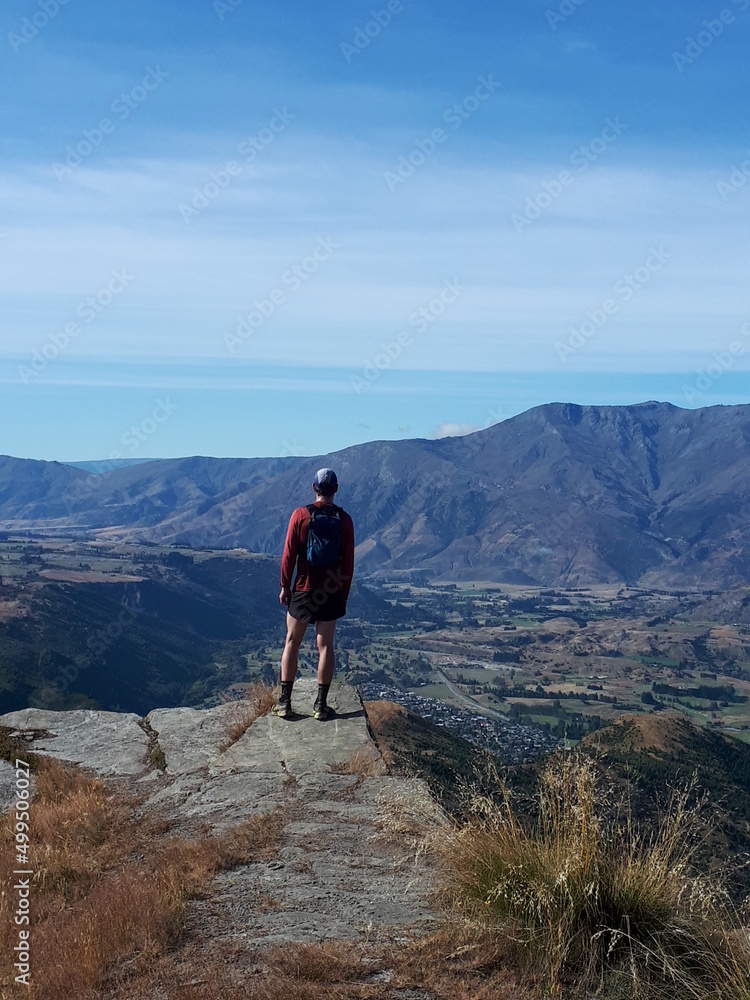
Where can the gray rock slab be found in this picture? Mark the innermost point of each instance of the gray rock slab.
(337, 876)
(232, 800)
(303, 744)
(252, 776)
(192, 737)
(171, 796)
(8, 785)
(351, 859)
(110, 743)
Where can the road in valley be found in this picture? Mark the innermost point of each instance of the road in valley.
(467, 701)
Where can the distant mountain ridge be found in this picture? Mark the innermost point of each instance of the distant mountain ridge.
(559, 495)
(107, 464)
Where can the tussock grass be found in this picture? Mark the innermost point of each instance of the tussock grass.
(459, 961)
(108, 888)
(79, 829)
(157, 758)
(258, 700)
(367, 762)
(407, 816)
(591, 902)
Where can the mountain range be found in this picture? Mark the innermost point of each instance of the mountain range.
(561, 495)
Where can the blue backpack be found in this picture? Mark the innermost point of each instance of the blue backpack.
(324, 536)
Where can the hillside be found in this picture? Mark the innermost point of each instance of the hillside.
(413, 746)
(657, 753)
(154, 639)
(643, 757)
(558, 496)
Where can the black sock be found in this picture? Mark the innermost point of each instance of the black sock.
(322, 693)
(286, 690)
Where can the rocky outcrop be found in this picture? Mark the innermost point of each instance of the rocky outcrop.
(347, 859)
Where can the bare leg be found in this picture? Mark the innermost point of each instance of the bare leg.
(326, 661)
(295, 633)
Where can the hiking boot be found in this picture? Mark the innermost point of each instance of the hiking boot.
(283, 709)
(320, 712)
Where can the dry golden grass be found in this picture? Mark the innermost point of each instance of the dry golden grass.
(593, 904)
(107, 887)
(79, 828)
(456, 963)
(408, 817)
(326, 964)
(258, 700)
(367, 763)
(266, 903)
(461, 961)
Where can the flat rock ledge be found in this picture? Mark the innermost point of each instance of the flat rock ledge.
(349, 863)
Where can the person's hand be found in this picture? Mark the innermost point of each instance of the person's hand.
(285, 596)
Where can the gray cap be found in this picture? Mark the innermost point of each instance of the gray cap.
(326, 478)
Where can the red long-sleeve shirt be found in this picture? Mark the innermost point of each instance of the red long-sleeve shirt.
(336, 579)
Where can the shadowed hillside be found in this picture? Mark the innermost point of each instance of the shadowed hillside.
(127, 646)
(416, 747)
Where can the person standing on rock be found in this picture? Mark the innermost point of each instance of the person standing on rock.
(320, 544)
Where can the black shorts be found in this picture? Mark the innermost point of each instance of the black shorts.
(316, 606)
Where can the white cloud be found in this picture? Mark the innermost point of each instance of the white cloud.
(449, 429)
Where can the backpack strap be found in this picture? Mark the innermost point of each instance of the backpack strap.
(313, 509)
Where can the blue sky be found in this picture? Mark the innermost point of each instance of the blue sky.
(289, 230)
